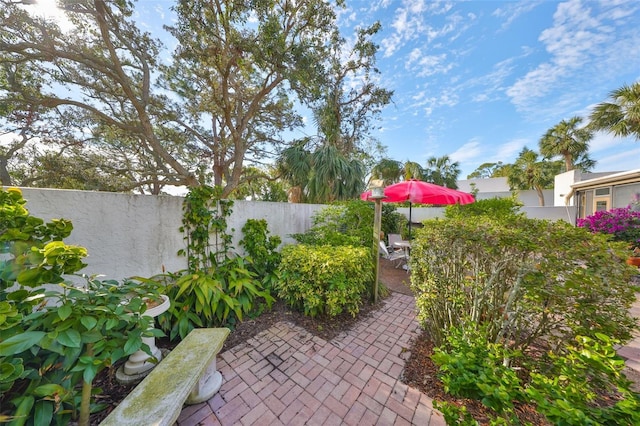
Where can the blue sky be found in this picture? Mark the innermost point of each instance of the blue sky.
(479, 80)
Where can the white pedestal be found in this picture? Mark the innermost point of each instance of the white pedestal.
(140, 362)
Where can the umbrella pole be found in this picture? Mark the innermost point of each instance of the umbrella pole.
(409, 220)
(377, 219)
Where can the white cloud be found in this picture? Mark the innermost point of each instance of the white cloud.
(603, 141)
(574, 37)
(626, 160)
(535, 84)
(512, 11)
(470, 151)
(493, 82)
(586, 46)
(507, 152)
(159, 9)
(428, 104)
(410, 23)
(430, 65)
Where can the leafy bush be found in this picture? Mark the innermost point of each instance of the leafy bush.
(524, 279)
(262, 255)
(581, 384)
(323, 279)
(217, 289)
(52, 341)
(349, 224)
(212, 298)
(472, 367)
(496, 208)
(622, 224)
(567, 391)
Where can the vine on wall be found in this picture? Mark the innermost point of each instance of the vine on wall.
(205, 219)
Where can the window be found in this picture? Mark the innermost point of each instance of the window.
(602, 191)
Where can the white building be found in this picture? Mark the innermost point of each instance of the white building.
(592, 192)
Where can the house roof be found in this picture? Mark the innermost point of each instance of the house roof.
(630, 176)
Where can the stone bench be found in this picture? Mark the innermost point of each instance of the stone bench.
(187, 375)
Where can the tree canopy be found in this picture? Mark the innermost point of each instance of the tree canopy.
(531, 172)
(442, 171)
(620, 114)
(218, 104)
(569, 141)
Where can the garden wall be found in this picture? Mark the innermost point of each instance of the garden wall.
(128, 235)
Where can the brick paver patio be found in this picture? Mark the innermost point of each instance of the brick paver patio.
(287, 376)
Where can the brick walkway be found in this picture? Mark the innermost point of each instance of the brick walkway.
(285, 375)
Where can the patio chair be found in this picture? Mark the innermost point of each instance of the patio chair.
(393, 239)
(392, 256)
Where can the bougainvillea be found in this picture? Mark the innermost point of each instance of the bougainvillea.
(623, 224)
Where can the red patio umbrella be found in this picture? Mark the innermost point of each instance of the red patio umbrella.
(417, 191)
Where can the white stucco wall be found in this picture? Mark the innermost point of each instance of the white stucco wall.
(138, 235)
(125, 235)
(283, 219)
(498, 184)
(128, 235)
(562, 187)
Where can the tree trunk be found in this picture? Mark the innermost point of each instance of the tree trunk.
(5, 177)
(568, 163)
(540, 196)
(295, 194)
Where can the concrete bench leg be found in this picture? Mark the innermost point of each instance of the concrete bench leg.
(207, 386)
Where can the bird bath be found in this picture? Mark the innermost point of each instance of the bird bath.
(140, 363)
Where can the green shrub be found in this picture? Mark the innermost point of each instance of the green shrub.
(218, 288)
(323, 279)
(487, 289)
(262, 255)
(496, 208)
(472, 367)
(349, 223)
(217, 297)
(523, 279)
(52, 342)
(583, 374)
(581, 384)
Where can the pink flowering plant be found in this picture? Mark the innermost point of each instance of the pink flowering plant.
(623, 224)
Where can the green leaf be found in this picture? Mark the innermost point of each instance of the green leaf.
(48, 390)
(6, 371)
(111, 323)
(88, 322)
(29, 277)
(23, 410)
(70, 338)
(21, 342)
(64, 311)
(91, 336)
(132, 345)
(89, 373)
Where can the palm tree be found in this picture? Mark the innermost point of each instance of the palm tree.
(569, 141)
(387, 170)
(319, 172)
(335, 175)
(294, 165)
(620, 116)
(412, 170)
(528, 172)
(442, 171)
